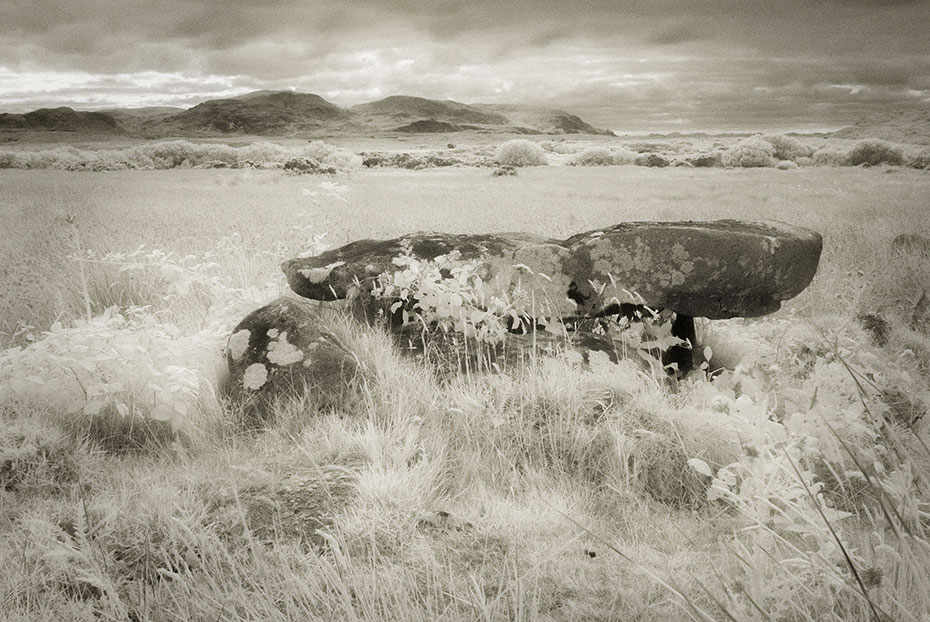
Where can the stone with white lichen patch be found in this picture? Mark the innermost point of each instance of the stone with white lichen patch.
(717, 269)
(283, 350)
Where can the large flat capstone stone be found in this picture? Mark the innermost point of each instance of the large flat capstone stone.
(719, 269)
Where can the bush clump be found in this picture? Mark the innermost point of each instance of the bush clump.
(873, 151)
(829, 156)
(521, 152)
(706, 160)
(169, 154)
(917, 157)
(307, 166)
(407, 161)
(754, 151)
(504, 171)
(652, 160)
(557, 147)
(788, 147)
(594, 156)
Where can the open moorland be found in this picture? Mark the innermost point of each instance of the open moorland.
(786, 479)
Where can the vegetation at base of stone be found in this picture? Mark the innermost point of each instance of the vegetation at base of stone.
(791, 479)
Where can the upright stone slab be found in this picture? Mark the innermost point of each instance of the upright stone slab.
(283, 350)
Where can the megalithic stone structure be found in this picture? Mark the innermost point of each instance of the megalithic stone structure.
(717, 269)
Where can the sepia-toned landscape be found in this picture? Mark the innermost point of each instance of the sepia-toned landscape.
(426, 443)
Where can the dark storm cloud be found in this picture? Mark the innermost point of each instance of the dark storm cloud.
(672, 55)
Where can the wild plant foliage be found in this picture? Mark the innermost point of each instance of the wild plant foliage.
(602, 156)
(786, 479)
(754, 151)
(873, 152)
(183, 154)
(521, 152)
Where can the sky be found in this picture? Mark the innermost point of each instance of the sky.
(628, 65)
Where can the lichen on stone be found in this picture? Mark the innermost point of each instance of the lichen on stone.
(318, 275)
(281, 352)
(239, 343)
(254, 377)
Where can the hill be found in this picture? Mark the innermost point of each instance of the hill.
(428, 126)
(286, 113)
(390, 111)
(259, 113)
(136, 120)
(61, 119)
(545, 120)
(900, 126)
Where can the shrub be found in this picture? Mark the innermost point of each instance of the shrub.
(504, 171)
(653, 160)
(594, 156)
(556, 147)
(788, 147)
(521, 152)
(915, 157)
(705, 160)
(786, 165)
(651, 147)
(873, 151)
(9, 160)
(829, 156)
(307, 166)
(331, 156)
(181, 154)
(751, 152)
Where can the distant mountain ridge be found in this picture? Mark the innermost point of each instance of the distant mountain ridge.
(288, 113)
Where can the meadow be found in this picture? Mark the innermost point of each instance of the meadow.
(790, 484)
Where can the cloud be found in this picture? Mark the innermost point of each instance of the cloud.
(662, 59)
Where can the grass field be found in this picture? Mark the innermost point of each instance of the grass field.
(792, 486)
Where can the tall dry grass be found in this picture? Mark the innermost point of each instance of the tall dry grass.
(791, 486)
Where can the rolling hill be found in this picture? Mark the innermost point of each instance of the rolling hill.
(900, 126)
(263, 113)
(391, 111)
(287, 113)
(61, 119)
(545, 120)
